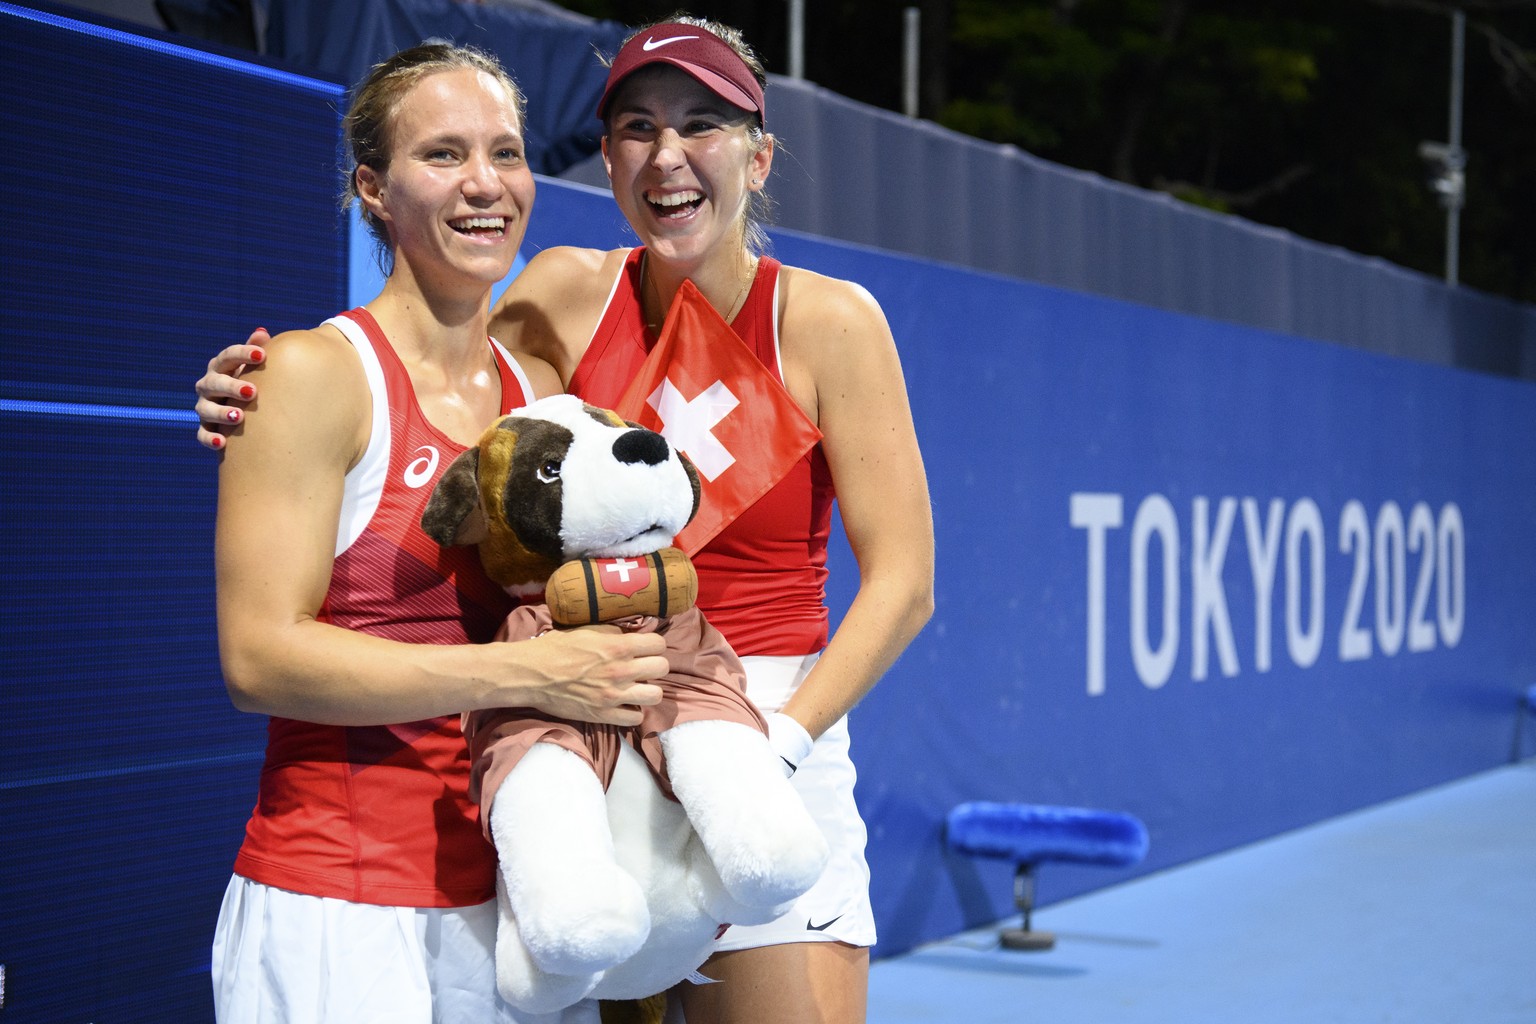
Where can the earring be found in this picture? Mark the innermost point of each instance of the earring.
(757, 181)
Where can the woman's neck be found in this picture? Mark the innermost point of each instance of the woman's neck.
(434, 327)
(724, 283)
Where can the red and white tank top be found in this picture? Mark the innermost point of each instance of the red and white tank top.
(382, 814)
(762, 580)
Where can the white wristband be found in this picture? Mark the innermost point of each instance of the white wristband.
(789, 741)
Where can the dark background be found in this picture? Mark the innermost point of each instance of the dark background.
(1302, 114)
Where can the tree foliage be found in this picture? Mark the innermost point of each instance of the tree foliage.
(1302, 114)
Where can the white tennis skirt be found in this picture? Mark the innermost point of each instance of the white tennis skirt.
(281, 957)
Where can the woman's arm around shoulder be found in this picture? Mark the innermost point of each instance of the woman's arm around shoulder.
(553, 305)
(222, 395)
(840, 361)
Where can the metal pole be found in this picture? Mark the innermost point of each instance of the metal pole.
(912, 23)
(1457, 154)
(797, 38)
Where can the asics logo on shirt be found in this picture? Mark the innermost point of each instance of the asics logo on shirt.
(419, 472)
(655, 44)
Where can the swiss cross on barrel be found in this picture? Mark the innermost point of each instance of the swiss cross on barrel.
(623, 576)
(708, 394)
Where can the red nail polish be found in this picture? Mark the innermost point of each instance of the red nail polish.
(218, 441)
(258, 355)
(233, 415)
(246, 391)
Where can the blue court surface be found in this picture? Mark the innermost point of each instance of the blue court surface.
(1417, 911)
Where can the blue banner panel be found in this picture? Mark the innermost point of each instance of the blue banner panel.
(159, 202)
(169, 200)
(1231, 581)
(127, 775)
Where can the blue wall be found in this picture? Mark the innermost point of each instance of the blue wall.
(157, 203)
(1055, 426)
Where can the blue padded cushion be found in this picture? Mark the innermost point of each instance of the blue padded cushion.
(1032, 833)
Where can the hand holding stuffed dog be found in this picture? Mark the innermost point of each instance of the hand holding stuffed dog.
(615, 894)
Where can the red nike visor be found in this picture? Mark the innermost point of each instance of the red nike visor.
(702, 54)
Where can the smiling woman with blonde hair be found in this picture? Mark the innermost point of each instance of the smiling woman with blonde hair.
(688, 156)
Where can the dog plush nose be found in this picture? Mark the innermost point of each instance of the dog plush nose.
(640, 446)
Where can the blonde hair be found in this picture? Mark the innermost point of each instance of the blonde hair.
(376, 99)
(759, 208)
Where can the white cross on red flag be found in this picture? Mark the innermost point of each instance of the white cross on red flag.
(708, 394)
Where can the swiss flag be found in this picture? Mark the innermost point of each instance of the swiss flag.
(707, 393)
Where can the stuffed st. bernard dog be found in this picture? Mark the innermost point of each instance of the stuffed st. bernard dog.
(615, 895)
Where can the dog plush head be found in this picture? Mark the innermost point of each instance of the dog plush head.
(557, 480)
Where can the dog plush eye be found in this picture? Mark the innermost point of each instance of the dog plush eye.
(549, 472)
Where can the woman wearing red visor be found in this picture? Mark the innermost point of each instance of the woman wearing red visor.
(688, 157)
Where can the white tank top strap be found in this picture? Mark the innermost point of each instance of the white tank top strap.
(517, 371)
(618, 279)
(364, 482)
(778, 352)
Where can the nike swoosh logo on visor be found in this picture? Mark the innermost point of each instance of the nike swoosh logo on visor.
(656, 44)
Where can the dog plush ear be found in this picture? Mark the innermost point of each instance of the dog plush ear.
(454, 515)
(693, 479)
